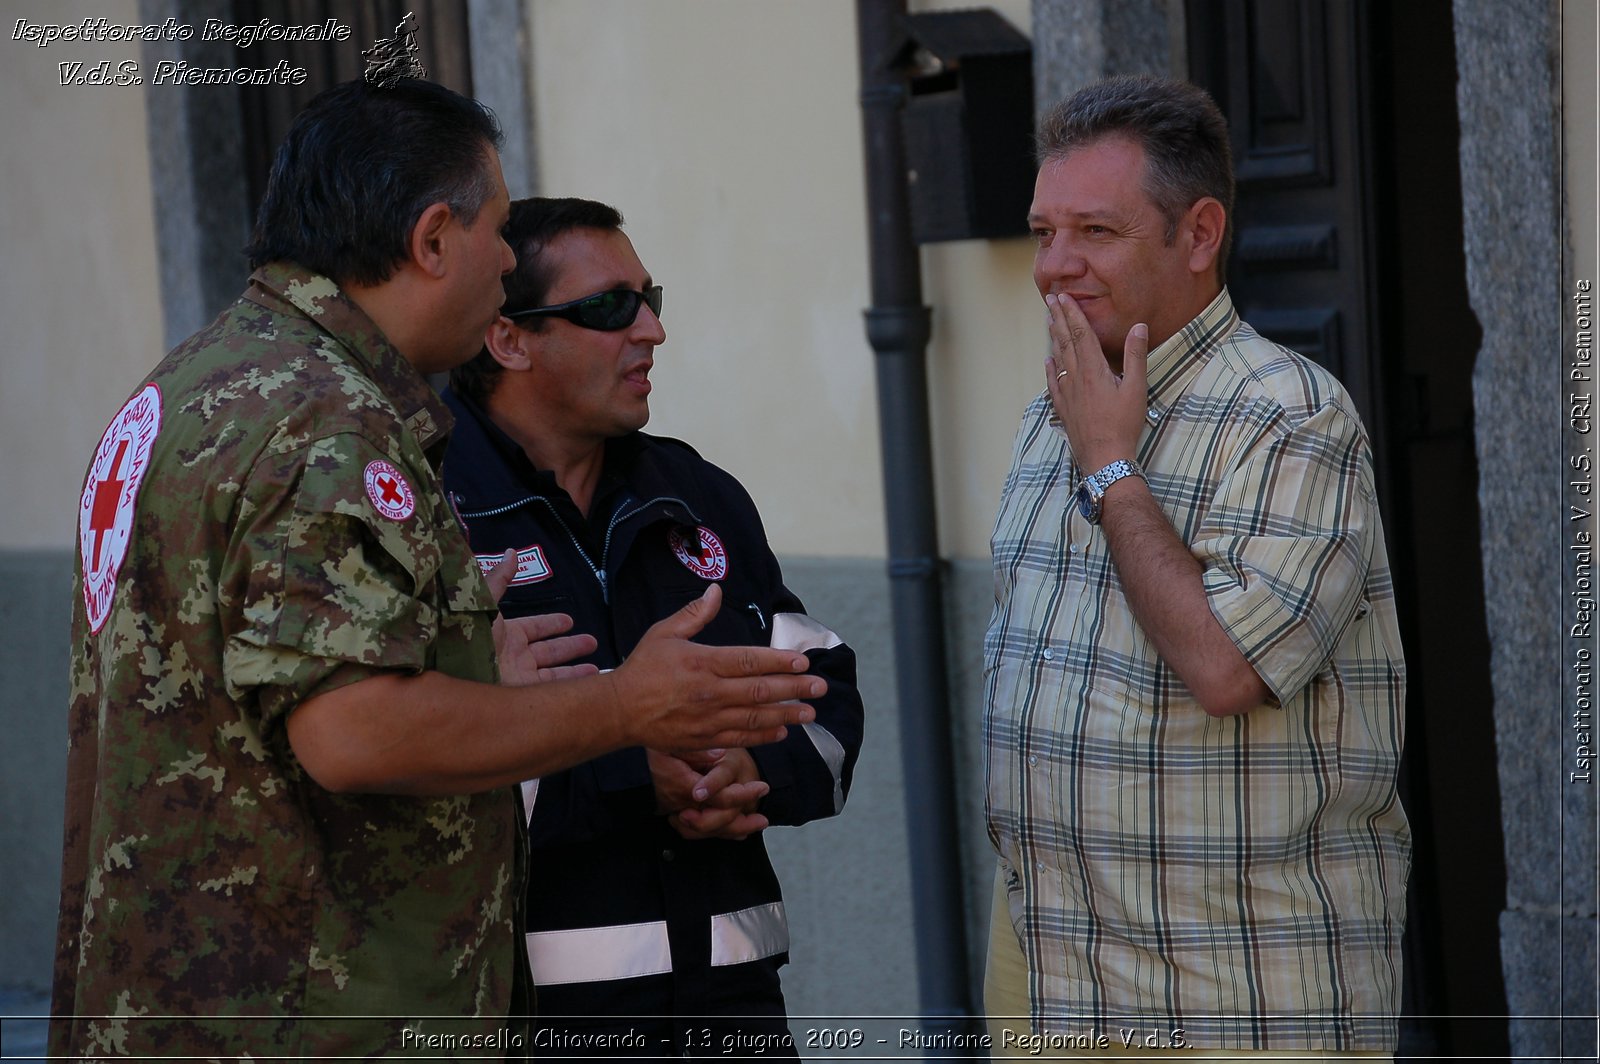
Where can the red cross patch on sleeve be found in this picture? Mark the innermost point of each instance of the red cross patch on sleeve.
(390, 494)
(105, 510)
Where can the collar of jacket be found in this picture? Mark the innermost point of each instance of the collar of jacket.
(285, 288)
(488, 469)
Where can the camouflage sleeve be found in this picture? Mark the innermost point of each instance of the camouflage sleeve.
(332, 588)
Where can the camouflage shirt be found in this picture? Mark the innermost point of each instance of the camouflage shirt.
(262, 523)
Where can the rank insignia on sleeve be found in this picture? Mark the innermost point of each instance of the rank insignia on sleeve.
(105, 511)
(387, 488)
(531, 566)
(700, 550)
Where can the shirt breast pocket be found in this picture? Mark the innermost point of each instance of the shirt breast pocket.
(741, 620)
(531, 599)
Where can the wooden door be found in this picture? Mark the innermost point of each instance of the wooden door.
(1348, 248)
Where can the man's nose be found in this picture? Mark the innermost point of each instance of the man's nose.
(1062, 259)
(647, 328)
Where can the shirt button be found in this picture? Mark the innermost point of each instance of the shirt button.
(1072, 548)
(1033, 761)
(667, 855)
(1049, 654)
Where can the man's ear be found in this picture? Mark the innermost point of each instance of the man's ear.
(1206, 221)
(508, 344)
(427, 244)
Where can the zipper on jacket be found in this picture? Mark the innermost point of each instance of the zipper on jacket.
(617, 518)
(620, 516)
(577, 544)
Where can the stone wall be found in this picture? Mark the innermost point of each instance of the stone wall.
(1509, 100)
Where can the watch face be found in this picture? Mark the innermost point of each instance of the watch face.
(1086, 505)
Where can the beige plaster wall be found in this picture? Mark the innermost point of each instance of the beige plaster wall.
(78, 296)
(729, 135)
(727, 131)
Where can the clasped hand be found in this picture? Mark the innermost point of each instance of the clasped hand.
(709, 794)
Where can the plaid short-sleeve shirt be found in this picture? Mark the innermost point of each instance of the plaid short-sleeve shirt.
(1241, 879)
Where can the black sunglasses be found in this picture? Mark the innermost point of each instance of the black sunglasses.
(604, 311)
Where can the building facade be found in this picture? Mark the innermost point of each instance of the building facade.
(1416, 210)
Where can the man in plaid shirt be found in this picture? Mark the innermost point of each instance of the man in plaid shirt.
(1194, 685)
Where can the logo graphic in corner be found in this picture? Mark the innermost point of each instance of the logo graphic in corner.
(105, 512)
(705, 558)
(531, 566)
(390, 494)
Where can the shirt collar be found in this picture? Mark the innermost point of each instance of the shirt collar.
(287, 288)
(1174, 363)
(494, 483)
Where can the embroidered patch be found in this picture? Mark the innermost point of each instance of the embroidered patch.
(390, 494)
(105, 512)
(531, 566)
(704, 559)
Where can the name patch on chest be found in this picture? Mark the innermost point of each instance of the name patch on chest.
(531, 566)
(105, 511)
(387, 488)
(700, 551)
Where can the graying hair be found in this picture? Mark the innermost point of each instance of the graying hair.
(1183, 134)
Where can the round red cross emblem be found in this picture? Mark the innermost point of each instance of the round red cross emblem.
(390, 494)
(105, 510)
(705, 558)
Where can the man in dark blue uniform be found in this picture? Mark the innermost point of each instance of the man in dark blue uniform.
(656, 925)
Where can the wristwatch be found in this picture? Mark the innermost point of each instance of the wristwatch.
(1093, 489)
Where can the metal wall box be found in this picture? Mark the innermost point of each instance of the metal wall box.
(968, 125)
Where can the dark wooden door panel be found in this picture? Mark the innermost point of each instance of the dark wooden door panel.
(1300, 262)
(1347, 248)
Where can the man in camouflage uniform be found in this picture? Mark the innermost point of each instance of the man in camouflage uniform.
(287, 803)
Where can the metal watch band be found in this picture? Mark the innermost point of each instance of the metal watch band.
(1093, 489)
(1113, 472)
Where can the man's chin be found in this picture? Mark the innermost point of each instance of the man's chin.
(1111, 342)
(1111, 348)
(633, 421)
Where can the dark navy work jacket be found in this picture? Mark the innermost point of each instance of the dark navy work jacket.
(625, 916)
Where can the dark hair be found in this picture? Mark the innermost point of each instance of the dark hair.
(1183, 134)
(534, 224)
(359, 166)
